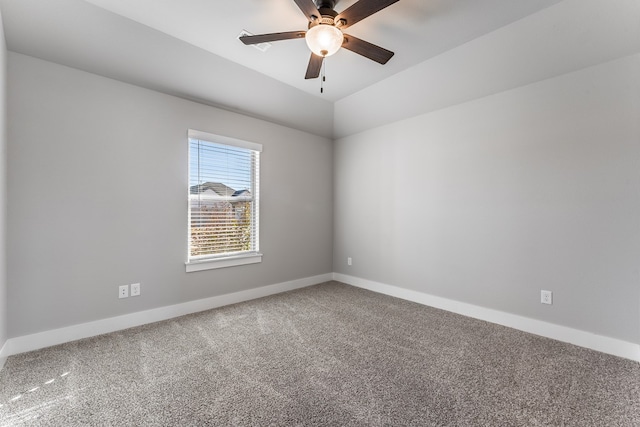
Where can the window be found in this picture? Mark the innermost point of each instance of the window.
(223, 202)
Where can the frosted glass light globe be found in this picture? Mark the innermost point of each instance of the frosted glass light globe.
(324, 40)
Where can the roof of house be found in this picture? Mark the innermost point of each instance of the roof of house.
(217, 187)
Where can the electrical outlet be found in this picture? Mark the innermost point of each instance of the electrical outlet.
(349, 262)
(546, 297)
(123, 291)
(135, 289)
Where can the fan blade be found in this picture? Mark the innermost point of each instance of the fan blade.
(361, 10)
(308, 7)
(273, 37)
(366, 49)
(315, 64)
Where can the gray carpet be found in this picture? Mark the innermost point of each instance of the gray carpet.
(330, 354)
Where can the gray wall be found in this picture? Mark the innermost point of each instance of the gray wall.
(490, 201)
(97, 191)
(3, 190)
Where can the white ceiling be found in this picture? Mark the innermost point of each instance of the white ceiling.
(189, 48)
(415, 30)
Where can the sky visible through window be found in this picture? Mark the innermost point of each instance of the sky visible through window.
(219, 163)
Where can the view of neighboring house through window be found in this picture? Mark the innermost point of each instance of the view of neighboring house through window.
(223, 199)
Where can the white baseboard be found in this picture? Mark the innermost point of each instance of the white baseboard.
(39, 340)
(577, 337)
(85, 330)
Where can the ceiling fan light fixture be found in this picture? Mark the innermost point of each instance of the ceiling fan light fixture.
(324, 40)
(324, 36)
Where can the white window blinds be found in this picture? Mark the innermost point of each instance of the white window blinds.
(223, 197)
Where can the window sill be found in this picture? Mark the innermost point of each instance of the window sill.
(210, 264)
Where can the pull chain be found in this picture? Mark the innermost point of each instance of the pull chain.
(324, 66)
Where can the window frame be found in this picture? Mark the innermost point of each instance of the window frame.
(230, 259)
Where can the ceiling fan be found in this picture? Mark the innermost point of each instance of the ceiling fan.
(324, 35)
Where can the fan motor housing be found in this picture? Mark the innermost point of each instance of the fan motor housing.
(327, 16)
(325, 4)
